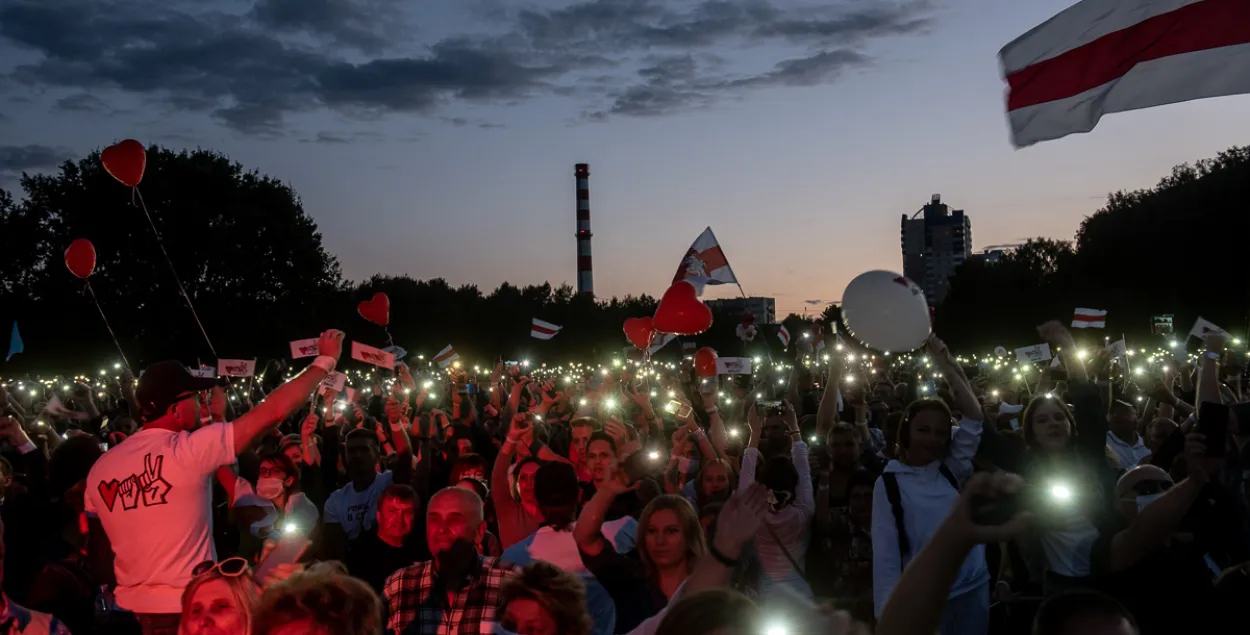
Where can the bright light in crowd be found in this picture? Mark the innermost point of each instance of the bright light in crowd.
(40, 423)
(672, 394)
(759, 395)
(609, 403)
(583, 401)
(65, 388)
(851, 357)
(777, 629)
(1082, 353)
(290, 528)
(33, 392)
(428, 384)
(1060, 492)
(604, 373)
(116, 365)
(733, 432)
(654, 393)
(1138, 371)
(994, 393)
(1171, 343)
(814, 437)
(850, 379)
(1050, 395)
(568, 380)
(456, 364)
(525, 362)
(757, 359)
(1237, 341)
(616, 363)
(103, 372)
(924, 388)
(807, 336)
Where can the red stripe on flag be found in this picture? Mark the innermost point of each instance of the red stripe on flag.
(544, 330)
(1195, 27)
(713, 258)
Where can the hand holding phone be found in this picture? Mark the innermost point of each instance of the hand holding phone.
(291, 547)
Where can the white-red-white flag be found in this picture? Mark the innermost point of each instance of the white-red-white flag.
(1089, 319)
(541, 330)
(446, 356)
(783, 334)
(705, 263)
(1105, 56)
(660, 341)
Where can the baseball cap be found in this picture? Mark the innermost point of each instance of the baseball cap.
(555, 485)
(162, 383)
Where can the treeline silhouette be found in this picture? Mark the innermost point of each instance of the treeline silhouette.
(254, 265)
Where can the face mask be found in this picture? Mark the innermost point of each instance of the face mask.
(269, 488)
(1142, 501)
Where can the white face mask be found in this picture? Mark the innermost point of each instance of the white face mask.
(269, 488)
(1142, 501)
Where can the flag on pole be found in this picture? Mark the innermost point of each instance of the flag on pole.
(1089, 319)
(541, 330)
(784, 335)
(446, 356)
(15, 343)
(705, 263)
(1106, 56)
(1202, 327)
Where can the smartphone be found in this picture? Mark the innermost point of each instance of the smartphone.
(512, 363)
(291, 547)
(673, 406)
(769, 407)
(1053, 502)
(1213, 424)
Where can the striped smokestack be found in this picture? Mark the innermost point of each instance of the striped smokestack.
(585, 278)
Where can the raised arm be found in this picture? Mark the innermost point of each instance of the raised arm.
(288, 397)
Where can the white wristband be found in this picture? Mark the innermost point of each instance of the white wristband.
(713, 410)
(325, 362)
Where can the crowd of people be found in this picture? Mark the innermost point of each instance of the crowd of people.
(824, 500)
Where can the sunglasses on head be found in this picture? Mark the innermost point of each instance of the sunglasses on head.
(228, 568)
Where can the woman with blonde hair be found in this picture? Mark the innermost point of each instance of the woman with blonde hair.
(322, 600)
(670, 544)
(542, 599)
(220, 599)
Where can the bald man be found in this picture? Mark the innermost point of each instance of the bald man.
(457, 576)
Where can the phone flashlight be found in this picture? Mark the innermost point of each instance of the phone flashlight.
(653, 455)
(672, 406)
(290, 529)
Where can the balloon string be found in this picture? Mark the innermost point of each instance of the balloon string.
(134, 192)
(110, 328)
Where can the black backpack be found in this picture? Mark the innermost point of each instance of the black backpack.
(896, 503)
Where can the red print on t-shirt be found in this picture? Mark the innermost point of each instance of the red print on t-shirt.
(148, 486)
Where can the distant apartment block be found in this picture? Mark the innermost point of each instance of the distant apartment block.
(936, 240)
(764, 309)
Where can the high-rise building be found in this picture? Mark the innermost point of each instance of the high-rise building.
(764, 309)
(936, 240)
(585, 270)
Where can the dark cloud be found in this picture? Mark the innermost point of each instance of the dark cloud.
(253, 69)
(82, 102)
(362, 24)
(335, 138)
(17, 159)
(813, 302)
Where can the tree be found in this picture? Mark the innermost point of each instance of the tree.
(248, 256)
(1175, 248)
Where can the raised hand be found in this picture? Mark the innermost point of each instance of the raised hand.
(331, 343)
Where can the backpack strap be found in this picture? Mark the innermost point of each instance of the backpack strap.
(949, 476)
(896, 503)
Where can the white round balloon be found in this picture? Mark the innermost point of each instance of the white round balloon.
(886, 311)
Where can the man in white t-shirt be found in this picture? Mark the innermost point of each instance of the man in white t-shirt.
(149, 500)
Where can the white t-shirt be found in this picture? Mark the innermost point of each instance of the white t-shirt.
(356, 511)
(153, 495)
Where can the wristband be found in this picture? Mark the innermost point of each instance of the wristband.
(711, 411)
(325, 362)
(725, 560)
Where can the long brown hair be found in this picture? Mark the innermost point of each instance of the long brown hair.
(691, 530)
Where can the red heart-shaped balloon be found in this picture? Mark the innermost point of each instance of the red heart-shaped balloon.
(80, 258)
(639, 332)
(705, 363)
(377, 310)
(125, 161)
(680, 311)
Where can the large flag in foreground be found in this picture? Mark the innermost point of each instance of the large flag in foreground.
(705, 263)
(1104, 56)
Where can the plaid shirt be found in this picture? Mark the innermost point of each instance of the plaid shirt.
(417, 605)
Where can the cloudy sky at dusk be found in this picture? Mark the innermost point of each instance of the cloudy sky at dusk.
(438, 138)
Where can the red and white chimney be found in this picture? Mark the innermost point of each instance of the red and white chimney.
(585, 278)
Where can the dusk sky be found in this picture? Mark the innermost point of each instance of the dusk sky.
(438, 139)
